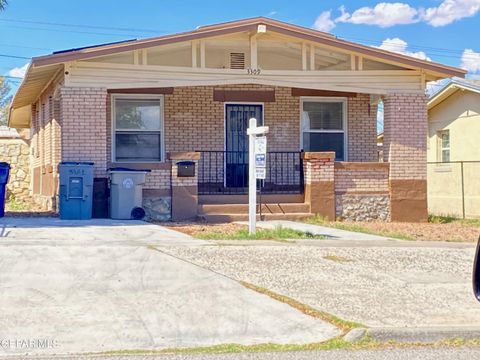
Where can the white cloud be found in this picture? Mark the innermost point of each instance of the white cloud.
(471, 61)
(272, 13)
(400, 46)
(449, 11)
(324, 22)
(383, 15)
(387, 14)
(435, 86)
(18, 71)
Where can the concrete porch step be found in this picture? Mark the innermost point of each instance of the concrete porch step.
(274, 208)
(243, 199)
(224, 218)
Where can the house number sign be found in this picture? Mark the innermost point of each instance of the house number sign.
(251, 71)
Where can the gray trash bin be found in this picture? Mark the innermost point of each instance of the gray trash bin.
(75, 193)
(126, 193)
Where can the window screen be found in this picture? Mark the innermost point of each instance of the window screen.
(138, 129)
(323, 127)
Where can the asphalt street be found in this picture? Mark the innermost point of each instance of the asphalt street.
(461, 353)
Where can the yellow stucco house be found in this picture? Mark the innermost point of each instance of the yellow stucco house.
(453, 150)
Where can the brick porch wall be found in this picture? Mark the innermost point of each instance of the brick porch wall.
(362, 191)
(361, 177)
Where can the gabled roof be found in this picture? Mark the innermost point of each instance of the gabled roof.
(246, 25)
(43, 69)
(452, 87)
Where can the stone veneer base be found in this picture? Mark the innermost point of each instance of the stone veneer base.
(361, 207)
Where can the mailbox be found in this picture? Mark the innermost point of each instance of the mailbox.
(185, 169)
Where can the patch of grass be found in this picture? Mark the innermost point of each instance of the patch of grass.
(279, 234)
(334, 344)
(344, 325)
(336, 258)
(13, 204)
(447, 219)
(319, 220)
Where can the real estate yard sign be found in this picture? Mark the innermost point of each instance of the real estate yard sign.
(255, 133)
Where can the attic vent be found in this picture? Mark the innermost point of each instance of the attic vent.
(237, 60)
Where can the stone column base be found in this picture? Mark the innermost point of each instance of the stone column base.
(408, 200)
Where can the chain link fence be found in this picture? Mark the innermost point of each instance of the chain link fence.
(454, 188)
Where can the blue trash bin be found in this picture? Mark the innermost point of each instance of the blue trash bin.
(4, 172)
(76, 190)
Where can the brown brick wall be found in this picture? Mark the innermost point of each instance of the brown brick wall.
(193, 121)
(361, 180)
(318, 170)
(84, 124)
(405, 135)
(158, 180)
(362, 129)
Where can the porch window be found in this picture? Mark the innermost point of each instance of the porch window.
(137, 128)
(323, 126)
(444, 145)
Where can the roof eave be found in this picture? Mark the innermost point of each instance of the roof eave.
(437, 70)
(447, 91)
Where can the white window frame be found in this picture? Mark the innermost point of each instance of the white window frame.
(440, 145)
(161, 100)
(344, 102)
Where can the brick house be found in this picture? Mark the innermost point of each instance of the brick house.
(151, 103)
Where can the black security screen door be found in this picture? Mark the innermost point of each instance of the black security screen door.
(236, 159)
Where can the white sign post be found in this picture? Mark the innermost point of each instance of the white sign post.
(253, 146)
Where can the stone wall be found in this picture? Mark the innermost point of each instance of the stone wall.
(17, 153)
(362, 207)
(157, 207)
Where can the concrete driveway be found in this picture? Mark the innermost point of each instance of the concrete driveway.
(69, 287)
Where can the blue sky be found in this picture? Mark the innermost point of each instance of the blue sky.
(445, 31)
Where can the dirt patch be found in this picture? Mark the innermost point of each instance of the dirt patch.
(422, 231)
(25, 208)
(408, 231)
(196, 229)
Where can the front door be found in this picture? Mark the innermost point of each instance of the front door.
(237, 117)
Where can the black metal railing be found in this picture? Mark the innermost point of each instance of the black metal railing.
(226, 172)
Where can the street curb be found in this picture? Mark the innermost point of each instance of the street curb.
(424, 334)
